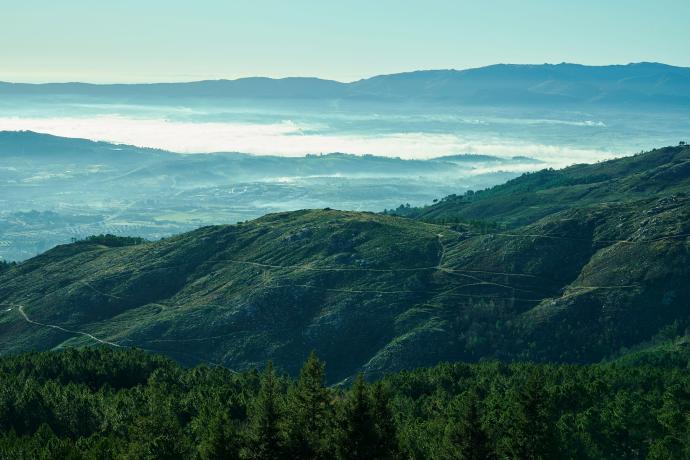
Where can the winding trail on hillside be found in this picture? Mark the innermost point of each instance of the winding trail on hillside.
(20, 309)
(22, 313)
(583, 240)
(380, 292)
(324, 269)
(373, 270)
(112, 296)
(469, 273)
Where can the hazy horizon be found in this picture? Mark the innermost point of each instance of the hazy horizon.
(163, 41)
(172, 80)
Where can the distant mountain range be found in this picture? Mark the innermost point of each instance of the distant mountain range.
(575, 265)
(502, 84)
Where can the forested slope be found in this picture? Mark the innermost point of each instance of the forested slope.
(126, 404)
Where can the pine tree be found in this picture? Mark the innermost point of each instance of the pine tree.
(533, 437)
(386, 431)
(356, 436)
(265, 436)
(674, 417)
(310, 413)
(221, 441)
(465, 438)
(158, 436)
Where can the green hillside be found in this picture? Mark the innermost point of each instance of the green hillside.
(584, 264)
(532, 196)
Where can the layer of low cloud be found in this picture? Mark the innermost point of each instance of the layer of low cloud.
(286, 138)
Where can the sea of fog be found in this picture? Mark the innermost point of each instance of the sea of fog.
(298, 127)
(45, 203)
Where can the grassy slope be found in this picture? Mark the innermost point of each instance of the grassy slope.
(533, 196)
(198, 288)
(579, 280)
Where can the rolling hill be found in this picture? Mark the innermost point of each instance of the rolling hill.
(575, 266)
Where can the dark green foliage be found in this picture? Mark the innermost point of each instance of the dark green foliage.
(357, 430)
(310, 413)
(158, 435)
(4, 265)
(451, 411)
(366, 425)
(532, 429)
(222, 440)
(385, 430)
(465, 438)
(113, 241)
(42, 445)
(265, 435)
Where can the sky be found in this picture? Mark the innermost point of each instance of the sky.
(154, 40)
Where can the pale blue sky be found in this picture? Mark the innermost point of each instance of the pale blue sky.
(155, 40)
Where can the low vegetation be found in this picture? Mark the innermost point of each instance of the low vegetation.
(4, 265)
(112, 241)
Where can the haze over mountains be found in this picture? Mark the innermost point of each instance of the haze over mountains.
(561, 114)
(55, 189)
(498, 85)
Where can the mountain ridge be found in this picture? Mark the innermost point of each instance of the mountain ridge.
(500, 84)
(377, 293)
(649, 65)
